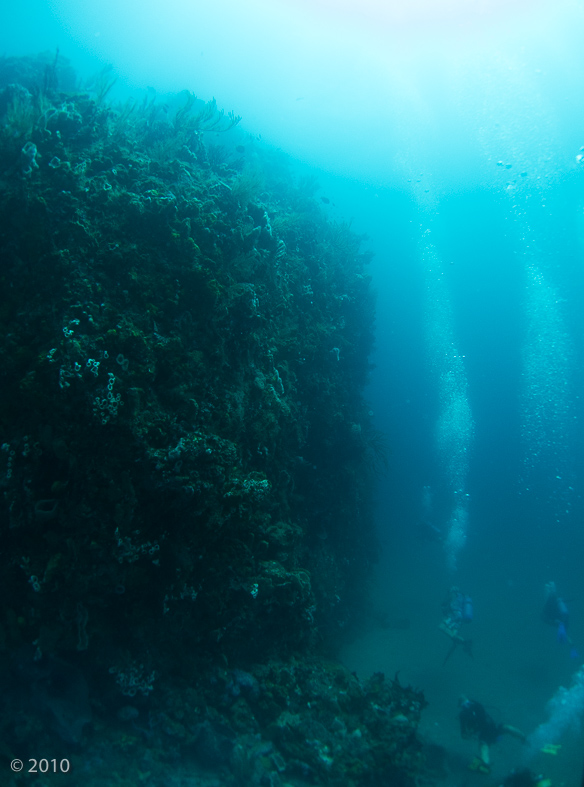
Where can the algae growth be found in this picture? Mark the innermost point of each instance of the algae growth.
(186, 455)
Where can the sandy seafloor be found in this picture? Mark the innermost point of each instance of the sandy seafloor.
(516, 668)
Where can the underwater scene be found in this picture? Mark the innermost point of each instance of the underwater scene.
(292, 393)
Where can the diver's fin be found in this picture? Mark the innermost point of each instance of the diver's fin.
(551, 748)
(479, 766)
(455, 644)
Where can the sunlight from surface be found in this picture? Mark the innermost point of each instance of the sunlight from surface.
(371, 89)
(437, 17)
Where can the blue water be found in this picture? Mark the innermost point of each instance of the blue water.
(454, 141)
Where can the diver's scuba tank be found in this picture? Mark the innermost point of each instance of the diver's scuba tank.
(467, 611)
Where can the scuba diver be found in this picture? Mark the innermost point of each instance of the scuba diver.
(555, 613)
(475, 722)
(457, 609)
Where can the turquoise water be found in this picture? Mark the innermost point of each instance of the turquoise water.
(454, 138)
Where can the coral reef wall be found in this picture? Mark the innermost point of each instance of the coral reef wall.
(186, 457)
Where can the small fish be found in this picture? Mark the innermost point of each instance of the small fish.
(240, 149)
(326, 200)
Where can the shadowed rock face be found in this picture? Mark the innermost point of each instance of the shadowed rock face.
(52, 690)
(186, 458)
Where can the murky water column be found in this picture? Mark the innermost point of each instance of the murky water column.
(526, 161)
(547, 412)
(455, 426)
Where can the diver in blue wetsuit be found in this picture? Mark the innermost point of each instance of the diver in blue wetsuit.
(555, 613)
